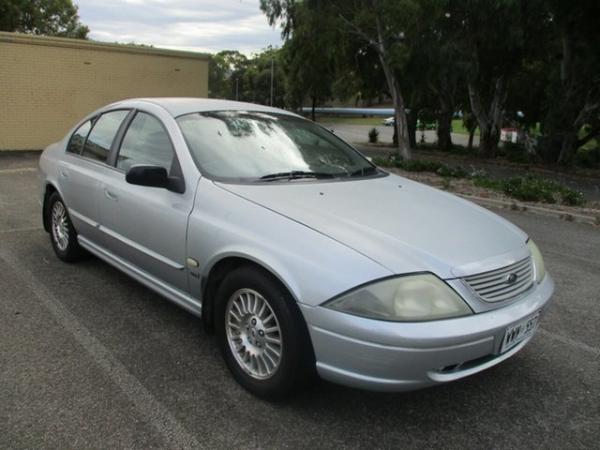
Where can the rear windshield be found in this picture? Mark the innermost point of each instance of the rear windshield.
(250, 146)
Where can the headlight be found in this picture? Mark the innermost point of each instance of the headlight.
(403, 299)
(538, 261)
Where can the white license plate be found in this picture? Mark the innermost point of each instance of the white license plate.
(517, 333)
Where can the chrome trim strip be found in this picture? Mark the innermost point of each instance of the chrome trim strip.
(173, 294)
(141, 248)
(83, 218)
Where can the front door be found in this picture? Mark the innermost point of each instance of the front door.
(144, 225)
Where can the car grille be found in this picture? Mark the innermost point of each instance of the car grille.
(502, 284)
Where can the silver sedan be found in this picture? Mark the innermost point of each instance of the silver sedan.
(302, 256)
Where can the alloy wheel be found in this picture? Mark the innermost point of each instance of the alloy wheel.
(60, 226)
(253, 333)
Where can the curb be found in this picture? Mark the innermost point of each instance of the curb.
(518, 206)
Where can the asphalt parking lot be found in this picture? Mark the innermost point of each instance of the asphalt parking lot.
(91, 359)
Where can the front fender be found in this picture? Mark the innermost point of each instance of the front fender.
(311, 265)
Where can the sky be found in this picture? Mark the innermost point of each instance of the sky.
(193, 25)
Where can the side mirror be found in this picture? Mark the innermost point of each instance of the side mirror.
(153, 176)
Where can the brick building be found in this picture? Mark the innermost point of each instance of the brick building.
(47, 84)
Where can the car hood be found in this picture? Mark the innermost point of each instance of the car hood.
(403, 225)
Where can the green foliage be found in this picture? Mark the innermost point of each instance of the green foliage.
(529, 188)
(533, 189)
(225, 74)
(313, 41)
(516, 153)
(466, 125)
(571, 84)
(419, 165)
(506, 62)
(373, 135)
(42, 17)
(232, 76)
(588, 156)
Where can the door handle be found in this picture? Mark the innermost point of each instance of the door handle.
(110, 195)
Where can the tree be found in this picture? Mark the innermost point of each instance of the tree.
(572, 104)
(308, 61)
(441, 66)
(493, 37)
(386, 26)
(226, 74)
(257, 78)
(42, 17)
(358, 75)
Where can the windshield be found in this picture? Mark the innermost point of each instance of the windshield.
(253, 146)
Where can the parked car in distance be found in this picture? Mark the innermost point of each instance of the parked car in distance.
(388, 122)
(299, 253)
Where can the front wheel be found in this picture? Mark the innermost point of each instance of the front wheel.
(262, 334)
(62, 233)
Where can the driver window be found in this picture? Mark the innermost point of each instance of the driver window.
(145, 142)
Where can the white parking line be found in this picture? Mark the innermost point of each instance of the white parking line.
(18, 170)
(148, 406)
(570, 342)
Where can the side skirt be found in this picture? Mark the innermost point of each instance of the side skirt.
(175, 295)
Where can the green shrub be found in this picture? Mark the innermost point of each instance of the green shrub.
(455, 172)
(373, 135)
(572, 198)
(516, 153)
(533, 189)
(588, 156)
(485, 182)
(528, 188)
(416, 165)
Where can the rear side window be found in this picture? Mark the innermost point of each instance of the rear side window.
(100, 138)
(78, 138)
(146, 142)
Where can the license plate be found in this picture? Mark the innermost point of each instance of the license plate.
(517, 333)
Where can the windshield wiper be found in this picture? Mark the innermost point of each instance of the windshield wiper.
(294, 174)
(364, 171)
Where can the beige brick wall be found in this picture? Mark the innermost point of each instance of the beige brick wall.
(48, 84)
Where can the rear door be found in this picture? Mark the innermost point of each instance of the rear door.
(85, 163)
(144, 225)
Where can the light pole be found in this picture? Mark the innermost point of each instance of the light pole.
(237, 82)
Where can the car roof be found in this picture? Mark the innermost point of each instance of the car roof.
(178, 106)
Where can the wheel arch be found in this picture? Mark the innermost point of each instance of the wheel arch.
(217, 272)
(48, 191)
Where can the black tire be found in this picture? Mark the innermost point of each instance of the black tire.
(296, 365)
(72, 251)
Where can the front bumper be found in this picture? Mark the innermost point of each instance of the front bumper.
(400, 356)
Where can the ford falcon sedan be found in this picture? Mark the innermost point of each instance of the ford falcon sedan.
(301, 255)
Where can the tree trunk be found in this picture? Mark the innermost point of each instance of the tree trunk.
(470, 144)
(444, 129)
(314, 104)
(412, 128)
(568, 148)
(403, 143)
(488, 140)
(489, 121)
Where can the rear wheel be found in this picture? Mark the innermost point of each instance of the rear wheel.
(62, 234)
(262, 334)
